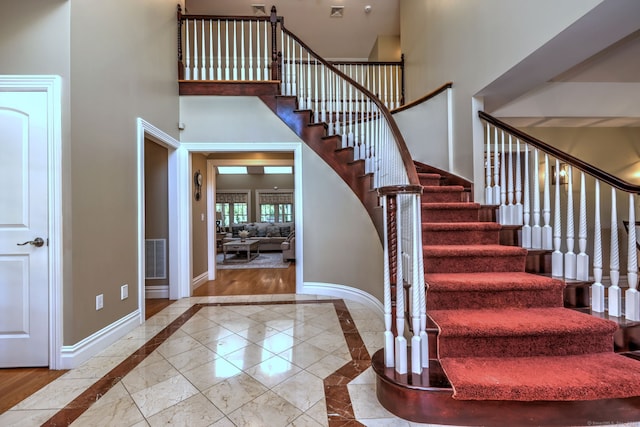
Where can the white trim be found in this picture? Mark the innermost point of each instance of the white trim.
(156, 291)
(344, 292)
(145, 129)
(52, 85)
(184, 204)
(197, 281)
(73, 356)
(450, 127)
(212, 246)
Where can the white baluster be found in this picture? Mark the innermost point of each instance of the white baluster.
(424, 339)
(309, 105)
(401, 342)
(330, 102)
(386, 97)
(488, 191)
(350, 135)
(526, 228)
(316, 110)
(570, 256)
(496, 170)
(203, 65)
(187, 54)
(226, 51)
(518, 206)
(416, 346)
(503, 185)
(536, 230)
(582, 261)
(632, 297)
(242, 55)
(323, 102)
(615, 294)
(557, 258)
(389, 360)
(196, 75)
(597, 289)
(211, 75)
(510, 207)
(235, 52)
(219, 54)
(301, 86)
(258, 58)
(397, 87)
(547, 232)
(294, 83)
(338, 100)
(283, 58)
(265, 72)
(251, 50)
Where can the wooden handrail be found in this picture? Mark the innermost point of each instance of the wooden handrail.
(561, 155)
(412, 174)
(424, 98)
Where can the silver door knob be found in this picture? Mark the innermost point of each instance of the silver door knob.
(37, 242)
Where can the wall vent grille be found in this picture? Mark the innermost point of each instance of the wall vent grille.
(155, 259)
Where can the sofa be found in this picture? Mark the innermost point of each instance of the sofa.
(289, 247)
(270, 235)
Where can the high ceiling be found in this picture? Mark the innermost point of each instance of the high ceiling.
(351, 36)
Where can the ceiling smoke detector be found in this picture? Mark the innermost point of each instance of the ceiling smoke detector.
(337, 12)
(258, 9)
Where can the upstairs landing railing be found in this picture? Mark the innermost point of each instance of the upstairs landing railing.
(521, 175)
(228, 48)
(245, 48)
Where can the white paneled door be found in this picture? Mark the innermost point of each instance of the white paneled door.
(24, 287)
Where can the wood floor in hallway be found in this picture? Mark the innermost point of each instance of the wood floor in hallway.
(16, 384)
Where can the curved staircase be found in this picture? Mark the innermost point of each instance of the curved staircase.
(504, 350)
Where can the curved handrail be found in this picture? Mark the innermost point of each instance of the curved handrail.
(561, 155)
(412, 174)
(424, 98)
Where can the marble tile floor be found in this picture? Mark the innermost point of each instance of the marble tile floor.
(272, 360)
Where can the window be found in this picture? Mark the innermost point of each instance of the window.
(234, 206)
(275, 206)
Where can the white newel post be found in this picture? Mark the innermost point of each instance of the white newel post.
(570, 256)
(557, 258)
(597, 289)
(388, 335)
(547, 232)
(632, 297)
(615, 294)
(582, 262)
(401, 341)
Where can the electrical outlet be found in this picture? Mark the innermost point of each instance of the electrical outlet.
(99, 302)
(124, 291)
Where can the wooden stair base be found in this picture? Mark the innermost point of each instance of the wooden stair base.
(427, 398)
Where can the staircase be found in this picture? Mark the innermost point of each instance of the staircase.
(502, 344)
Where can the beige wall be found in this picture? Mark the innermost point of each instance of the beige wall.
(199, 233)
(386, 48)
(341, 245)
(472, 43)
(156, 198)
(123, 66)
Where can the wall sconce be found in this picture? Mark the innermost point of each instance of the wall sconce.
(218, 221)
(563, 174)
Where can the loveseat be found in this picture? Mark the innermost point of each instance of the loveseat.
(270, 235)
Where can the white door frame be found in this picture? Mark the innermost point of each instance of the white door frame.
(184, 201)
(52, 85)
(147, 130)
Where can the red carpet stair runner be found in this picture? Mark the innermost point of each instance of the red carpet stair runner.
(503, 333)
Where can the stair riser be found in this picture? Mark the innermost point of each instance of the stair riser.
(449, 215)
(477, 300)
(473, 264)
(449, 237)
(442, 197)
(524, 346)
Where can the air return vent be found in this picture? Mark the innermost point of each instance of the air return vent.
(155, 259)
(337, 11)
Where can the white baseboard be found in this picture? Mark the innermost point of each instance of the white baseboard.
(72, 356)
(156, 291)
(197, 281)
(343, 292)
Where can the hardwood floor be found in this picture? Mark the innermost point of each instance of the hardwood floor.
(18, 383)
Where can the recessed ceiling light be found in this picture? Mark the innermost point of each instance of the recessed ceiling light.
(336, 11)
(258, 9)
(273, 170)
(232, 170)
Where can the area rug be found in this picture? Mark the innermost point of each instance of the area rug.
(263, 260)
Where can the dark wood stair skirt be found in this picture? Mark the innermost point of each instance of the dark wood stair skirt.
(428, 399)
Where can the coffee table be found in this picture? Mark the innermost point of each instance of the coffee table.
(251, 247)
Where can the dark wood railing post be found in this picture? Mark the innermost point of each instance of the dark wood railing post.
(180, 64)
(402, 79)
(392, 242)
(275, 75)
